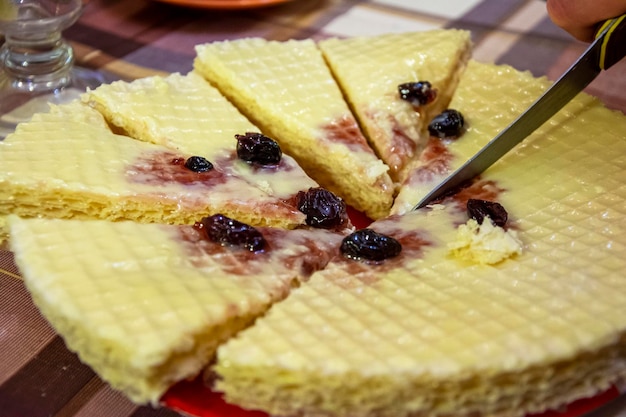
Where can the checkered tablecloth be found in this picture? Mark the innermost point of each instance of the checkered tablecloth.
(133, 38)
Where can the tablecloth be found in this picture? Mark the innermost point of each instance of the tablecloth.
(130, 39)
(135, 38)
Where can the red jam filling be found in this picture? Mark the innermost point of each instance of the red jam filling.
(401, 148)
(346, 130)
(435, 162)
(313, 257)
(235, 261)
(412, 242)
(479, 189)
(309, 257)
(164, 168)
(401, 145)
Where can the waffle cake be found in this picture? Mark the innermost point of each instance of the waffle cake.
(68, 164)
(145, 305)
(287, 90)
(433, 332)
(187, 114)
(395, 127)
(470, 319)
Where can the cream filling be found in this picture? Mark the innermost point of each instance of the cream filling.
(485, 243)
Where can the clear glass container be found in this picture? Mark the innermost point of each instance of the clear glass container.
(36, 63)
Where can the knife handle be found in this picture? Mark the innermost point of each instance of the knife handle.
(613, 47)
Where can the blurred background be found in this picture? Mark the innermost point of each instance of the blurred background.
(130, 39)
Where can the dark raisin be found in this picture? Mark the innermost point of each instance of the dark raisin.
(369, 245)
(478, 209)
(448, 124)
(323, 209)
(256, 148)
(417, 93)
(227, 231)
(198, 164)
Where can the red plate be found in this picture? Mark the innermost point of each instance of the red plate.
(194, 399)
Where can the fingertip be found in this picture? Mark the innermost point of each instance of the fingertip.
(558, 11)
(563, 13)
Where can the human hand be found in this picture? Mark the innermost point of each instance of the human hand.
(581, 17)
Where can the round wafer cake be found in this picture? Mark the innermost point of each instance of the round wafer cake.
(502, 299)
(437, 332)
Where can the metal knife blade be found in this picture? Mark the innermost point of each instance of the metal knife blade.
(605, 51)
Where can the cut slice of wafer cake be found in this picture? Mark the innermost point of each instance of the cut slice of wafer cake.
(68, 164)
(370, 71)
(146, 305)
(486, 111)
(286, 89)
(458, 324)
(185, 113)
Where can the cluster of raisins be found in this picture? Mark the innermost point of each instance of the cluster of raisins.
(258, 149)
(417, 93)
(479, 209)
(448, 124)
(323, 209)
(361, 245)
(369, 245)
(227, 231)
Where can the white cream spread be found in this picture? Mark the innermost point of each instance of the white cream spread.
(485, 243)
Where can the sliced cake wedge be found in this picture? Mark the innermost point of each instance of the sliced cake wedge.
(370, 71)
(68, 164)
(286, 89)
(185, 113)
(146, 305)
(486, 111)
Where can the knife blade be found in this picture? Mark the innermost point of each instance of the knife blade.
(608, 48)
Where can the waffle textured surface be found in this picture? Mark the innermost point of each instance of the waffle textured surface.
(185, 113)
(146, 305)
(432, 334)
(369, 71)
(67, 163)
(287, 90)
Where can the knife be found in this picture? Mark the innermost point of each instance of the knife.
(608, 48)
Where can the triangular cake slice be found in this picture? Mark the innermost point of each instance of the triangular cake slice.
(486, 111)
(186, 113)
(444, 328)
(286, 89)
(146, 305)
(370, 71)
(68, 164)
